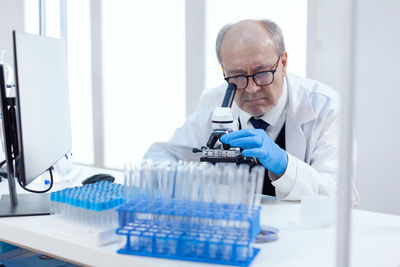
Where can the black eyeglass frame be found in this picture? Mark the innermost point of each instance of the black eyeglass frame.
(274, 68)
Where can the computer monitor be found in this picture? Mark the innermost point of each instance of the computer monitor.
(36, 123)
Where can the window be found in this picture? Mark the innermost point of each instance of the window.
(80, 79)
(143, 75)
(31, 16)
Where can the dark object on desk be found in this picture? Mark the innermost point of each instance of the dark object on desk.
(97, 178)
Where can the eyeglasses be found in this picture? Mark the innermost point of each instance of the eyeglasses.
(262, 78)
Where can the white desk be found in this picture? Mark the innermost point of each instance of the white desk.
(376, 241)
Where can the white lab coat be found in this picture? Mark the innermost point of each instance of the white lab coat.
(311, 137)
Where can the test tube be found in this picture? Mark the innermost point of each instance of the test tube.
(147, 238)
(133, 179)
(170, 179)
(164, 180)
(224, 186)
(185, 181)
(213, 247)
(193, 182)
(126, 181)
(243, 171)
(241, 250)
(227, 249)
(252, 188)
(188, 245)
(172, 244)
(232, 181)
(260, 172)
(158, 171)
(203, 182)
(134, 240)
(217, 174)
(210, 183)
(143, 177)
(179, 180)
(200, 246)
(151, 178)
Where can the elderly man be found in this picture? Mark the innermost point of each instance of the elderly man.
(290, 124)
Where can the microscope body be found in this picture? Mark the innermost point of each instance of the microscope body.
(223, 122)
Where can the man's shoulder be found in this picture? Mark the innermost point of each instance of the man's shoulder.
(313, 87)
(320, 95)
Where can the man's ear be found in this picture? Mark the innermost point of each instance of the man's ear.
(284, 63)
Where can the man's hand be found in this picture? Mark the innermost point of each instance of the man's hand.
(256, 143)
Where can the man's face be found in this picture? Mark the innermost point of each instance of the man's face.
(247, 49)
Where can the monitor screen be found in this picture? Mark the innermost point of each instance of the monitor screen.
(42, 104)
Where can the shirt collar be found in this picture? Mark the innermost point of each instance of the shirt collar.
(274, 114)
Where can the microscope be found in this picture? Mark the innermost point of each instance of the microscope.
(222, 123)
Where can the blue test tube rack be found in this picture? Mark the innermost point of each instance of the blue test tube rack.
(98, 196)
(190, 230)
(87, 213)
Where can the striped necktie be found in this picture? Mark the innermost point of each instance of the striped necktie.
(259, 124)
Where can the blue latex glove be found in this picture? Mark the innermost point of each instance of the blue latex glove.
(256, 143)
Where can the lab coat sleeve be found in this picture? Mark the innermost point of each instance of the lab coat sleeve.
(194, 133)
(171, 152)
(319, 175)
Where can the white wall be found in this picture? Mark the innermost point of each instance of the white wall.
(12, 18)
(377, 85)
(327, 42)
(378, 105)
(195, 52)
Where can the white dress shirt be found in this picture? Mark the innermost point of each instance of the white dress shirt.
(275, 117)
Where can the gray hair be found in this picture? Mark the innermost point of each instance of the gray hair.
(272, 28)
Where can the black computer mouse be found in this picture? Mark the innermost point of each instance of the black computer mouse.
(97, 178)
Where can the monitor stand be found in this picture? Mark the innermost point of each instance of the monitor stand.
(28, 205)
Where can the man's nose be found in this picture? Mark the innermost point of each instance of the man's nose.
(252, 87)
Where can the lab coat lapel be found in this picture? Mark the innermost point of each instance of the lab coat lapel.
(300, 111)
(295, 139)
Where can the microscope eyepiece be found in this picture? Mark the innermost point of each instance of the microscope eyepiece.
(229, 95)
